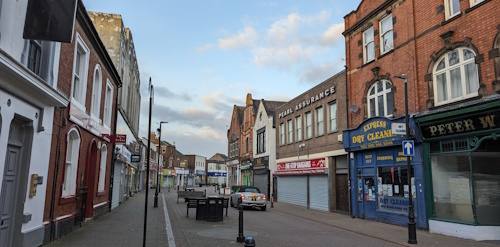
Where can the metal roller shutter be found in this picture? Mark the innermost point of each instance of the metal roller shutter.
(115, 200)
(293, 190)
(318, 192)
(260, 181)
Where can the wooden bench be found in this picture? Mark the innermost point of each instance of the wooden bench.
(184, 194)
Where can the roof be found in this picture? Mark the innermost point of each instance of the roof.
(270, 107)
(256, 104)
(240, 110)
(218, 157)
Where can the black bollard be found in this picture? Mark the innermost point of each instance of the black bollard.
(250, 242)
(169, 188)
(240, 238)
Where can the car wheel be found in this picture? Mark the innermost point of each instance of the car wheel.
(263, 208)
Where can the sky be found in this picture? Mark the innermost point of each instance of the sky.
(204, 56)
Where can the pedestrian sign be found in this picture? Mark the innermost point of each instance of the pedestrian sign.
(408, 148)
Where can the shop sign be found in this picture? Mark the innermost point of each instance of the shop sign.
(135, 158)
(217, 174)
(200, 172)
(308, 101)
(395, 204)
(486, 121)
(374, 133)
(315, 166)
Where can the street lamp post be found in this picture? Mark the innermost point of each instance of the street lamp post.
(158, 169)
(151, 92)
(412, 230)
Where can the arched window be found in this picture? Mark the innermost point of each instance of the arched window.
(96, 92)
(71, 167)
(380, 99)
(102, 168)
(455, 76)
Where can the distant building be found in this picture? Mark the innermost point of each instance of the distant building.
(198, 164)
(216, 170)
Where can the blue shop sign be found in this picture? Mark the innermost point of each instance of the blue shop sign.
(200, 172)
(374, 133)
(217, 174)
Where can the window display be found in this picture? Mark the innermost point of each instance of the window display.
(393, 190)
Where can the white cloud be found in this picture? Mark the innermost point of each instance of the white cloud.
(333, 34)
(204, 48)
(285, 57)
(245, 38)
(318, 74)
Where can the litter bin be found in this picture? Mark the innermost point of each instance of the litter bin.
(215, 209)
(201, 209)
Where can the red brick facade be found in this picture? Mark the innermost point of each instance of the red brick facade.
(422, 35)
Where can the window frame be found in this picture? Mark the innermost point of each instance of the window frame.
(73, 142)
(289, 125)
(35, 63)
(365, 45)
(82, 49)
(282, 133)
(334, 119)
(382, 33)
(261, 140)
(463, 76)
(474, 3)
(102, 168)
(384, 92)
(298, 128)
(309, 125)
(448, 6)
(108, 105)
(320, 123)
(95, 108)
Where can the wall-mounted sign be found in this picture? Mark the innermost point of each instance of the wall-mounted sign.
(315, 166)
(481, 122)
(135, 158)
(308, 101)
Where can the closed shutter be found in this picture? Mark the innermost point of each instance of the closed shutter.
(116, 186)
(293, 190)
(318, 192)
(260, 181)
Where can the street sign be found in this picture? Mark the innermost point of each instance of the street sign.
(408, 148)
(398, 128)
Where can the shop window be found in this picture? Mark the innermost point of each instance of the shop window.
(368, 46)
(298, 126)
(455, 76)
(452, 8)
(386, 37)
(369, 188)
(393, 182)
(380, 99)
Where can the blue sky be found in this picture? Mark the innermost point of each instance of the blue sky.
(205, 56)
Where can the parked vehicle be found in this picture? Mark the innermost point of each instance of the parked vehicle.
(250, 197)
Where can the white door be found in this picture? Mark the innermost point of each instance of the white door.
(293, 190)
(8, 195)
(318, 192)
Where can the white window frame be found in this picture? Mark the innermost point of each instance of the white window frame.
(282, 133)
(80, 47)
(475, 2)
(108, 105)
(298, 127)
(384, 92)
(35, 56)
(447, 70)
(73, 142)
(96, 93)
(320, 121)
(289, 126)
(448, 5)
(332, 123)
(383, 33)
(102, 168)
(366, 44)
(308, 125)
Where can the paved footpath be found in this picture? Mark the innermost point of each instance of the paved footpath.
(168, 225)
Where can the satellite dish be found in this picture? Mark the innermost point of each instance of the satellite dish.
(353, 108)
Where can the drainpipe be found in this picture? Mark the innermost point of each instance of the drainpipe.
(54, 178)
(113, 158)
(348, 153)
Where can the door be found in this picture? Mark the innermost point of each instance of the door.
(8, 196)
(341, 192)
(318, 192)
(369, 198)
(260, 181)
(116, 186)
(293, 190)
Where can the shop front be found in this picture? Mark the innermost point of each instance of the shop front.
(461, 160)
(261, 175)
(246, 173)
(303, 183)
(378, 173)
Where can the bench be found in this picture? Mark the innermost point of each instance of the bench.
(184, 194)
(191, 203)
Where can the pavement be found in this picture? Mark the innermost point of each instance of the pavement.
(124, 226)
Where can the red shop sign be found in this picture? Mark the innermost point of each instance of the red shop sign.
(302, 165)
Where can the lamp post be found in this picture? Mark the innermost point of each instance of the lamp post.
(412, 230)
(151, 92)
(158, 169)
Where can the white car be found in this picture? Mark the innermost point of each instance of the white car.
(250, 197)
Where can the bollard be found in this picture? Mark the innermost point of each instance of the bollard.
(240, 238)
(177, 187)
(168, 188)
(272, 200)
(249, 242)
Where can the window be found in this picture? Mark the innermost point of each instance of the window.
(368, 46)
(452, 8)
(319, 121)
(80, 67)
(102, 168)
(380, 99)
(474, 2)
(261, 140)
(34, 56)
(108, 104)
(96, 92)
(298, 125)
(290, 131)
(71, 166)
(386, 37)
(308, 125)
(282, 133)
(333, 116)
(455, 76)
(247, 145)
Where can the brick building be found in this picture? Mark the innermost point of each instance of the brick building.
(81, 151)
(234, 145)
(452, 70)
(311, 160)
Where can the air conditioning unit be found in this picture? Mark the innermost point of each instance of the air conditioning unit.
(339, 137)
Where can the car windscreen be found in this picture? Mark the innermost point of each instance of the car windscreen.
(252, 190)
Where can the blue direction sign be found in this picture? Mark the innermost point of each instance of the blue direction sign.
(408, 148)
